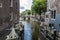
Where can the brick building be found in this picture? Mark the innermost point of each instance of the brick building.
(57, 4)
(9, 12)
(53, 5)
(50, 4)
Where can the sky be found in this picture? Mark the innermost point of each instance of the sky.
(25, 4)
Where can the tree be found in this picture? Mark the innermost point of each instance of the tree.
(39, 6)
(26, 12)
(23, 13)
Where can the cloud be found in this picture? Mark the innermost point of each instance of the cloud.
(21, 7)
(26, 4)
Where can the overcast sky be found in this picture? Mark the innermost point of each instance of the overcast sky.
(25, 4)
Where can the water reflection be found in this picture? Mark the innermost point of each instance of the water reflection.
(31, 32)
(27, 31)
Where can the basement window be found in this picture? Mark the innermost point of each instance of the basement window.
(0, 5)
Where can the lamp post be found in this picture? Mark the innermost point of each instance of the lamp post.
(55, 34)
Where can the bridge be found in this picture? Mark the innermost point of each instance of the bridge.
(27, 17)
(30, 17)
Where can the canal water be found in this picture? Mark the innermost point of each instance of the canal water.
(57, 22)
(27, 30)
(31, 31)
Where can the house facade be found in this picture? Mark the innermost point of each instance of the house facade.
(54, 8)
(9, 13)
(53, 27)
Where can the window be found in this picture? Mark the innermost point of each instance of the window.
(16, 5)
(51, 25)
(11, 3)
(53, 14)
(0, 5)
(11, 9)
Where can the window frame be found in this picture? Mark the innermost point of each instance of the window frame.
(0, 5)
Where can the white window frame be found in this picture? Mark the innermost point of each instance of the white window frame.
(0, 5)
(11, 3)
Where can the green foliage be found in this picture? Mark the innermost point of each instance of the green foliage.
(26, 12)
(39, 6)
(23, 13)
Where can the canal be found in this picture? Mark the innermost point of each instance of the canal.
(31, 30)
(27, 30)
